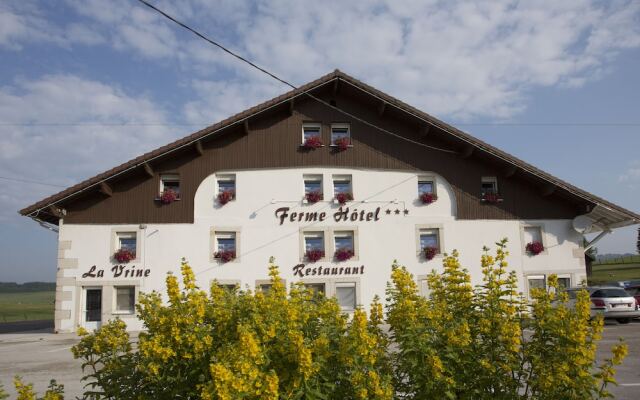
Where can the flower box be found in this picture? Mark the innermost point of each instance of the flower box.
(534, 248)
(124, 255)
(342, 143)
(342, 198)
(491, 198)
(343, 254)
(168, 196)
(428, 198)
(312, 143)
(314, 255)
(313, 197)
(226, 196)
(225, 255)
(430, 252)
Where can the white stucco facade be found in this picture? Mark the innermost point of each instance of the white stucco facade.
(379, 238)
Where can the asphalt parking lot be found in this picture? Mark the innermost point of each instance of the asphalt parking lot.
(40, 356)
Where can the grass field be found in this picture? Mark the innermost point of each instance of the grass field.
(26, 306)
(615, 272)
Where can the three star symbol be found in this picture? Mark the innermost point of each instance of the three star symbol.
(396, 211)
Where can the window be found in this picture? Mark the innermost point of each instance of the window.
(313, 188)
(344, 240)
(346, 295)
(425, 186)
(429, 238)
(264, 285)
(489, 185)
(310, 130)
(532, 234)
(423, 286)
(564, 281)
(316, 288)
(125, 299)
(342, 186)
(170, 182)
(226, 184)
(127, 241)
(536, 282)
(340, 133)
(314, 246)
(229, 287)
(225, 246)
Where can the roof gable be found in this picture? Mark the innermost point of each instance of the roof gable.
(458, 142)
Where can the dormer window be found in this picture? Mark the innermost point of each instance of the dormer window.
(226, 188)
(341, 136)
(311, 135)
(169, 188)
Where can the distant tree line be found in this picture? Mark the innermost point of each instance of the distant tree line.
(13, 287)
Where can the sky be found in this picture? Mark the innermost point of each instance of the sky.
(87, 84)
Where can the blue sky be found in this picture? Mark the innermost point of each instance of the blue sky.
(86, 85)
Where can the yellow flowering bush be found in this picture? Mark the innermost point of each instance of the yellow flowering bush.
(487, 343)
(460, 342)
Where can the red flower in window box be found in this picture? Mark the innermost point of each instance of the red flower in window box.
(225, 255)
(344, 197)
(226, 196)
(428, 198)
(430, 252)
(491, 198)
(124, 255)
(313, 197)
(168, 196)
(534, 248)
(314, 255)
(344, 254)
(342, 143)
(312, 143)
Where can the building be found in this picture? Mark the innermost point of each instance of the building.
(230, 196)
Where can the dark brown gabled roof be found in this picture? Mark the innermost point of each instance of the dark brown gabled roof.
(609, 214)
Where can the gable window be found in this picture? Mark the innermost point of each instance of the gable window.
(126, 246)
(169, 188)
(342, 190)
(340, 135)
(426, 190)
(430, 242)
(344, 245)
(314, 246)
(313, 188)
(125, 299)
(225, 246)
(346, 295)
(489, 190)
(226, 188)
(312, 135)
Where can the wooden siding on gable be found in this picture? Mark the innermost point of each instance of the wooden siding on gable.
(274, 141)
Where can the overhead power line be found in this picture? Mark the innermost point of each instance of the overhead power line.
(272, 75)
(29, 181)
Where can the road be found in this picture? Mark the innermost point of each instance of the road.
(40, 356)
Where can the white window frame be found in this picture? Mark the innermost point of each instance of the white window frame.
(213, 245)
(261, 283)
(227, 178)
(566, 276)
(354, 236)
(116, 311)
(312, 178)
(423, 288)
(342, 177)
(355, 286)
(224, 283)
(341, 125)
(126, 230)
(490, 179)
(317, 125)
(427, 178)
(304, 233)
(527, 225)
(172, 177)
(535, 277)
(439, 228)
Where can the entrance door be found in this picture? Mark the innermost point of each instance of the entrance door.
(93, 308)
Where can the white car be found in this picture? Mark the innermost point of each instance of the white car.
(609, 301)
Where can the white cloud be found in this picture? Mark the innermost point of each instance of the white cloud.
(632, 175)
(33, 145)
